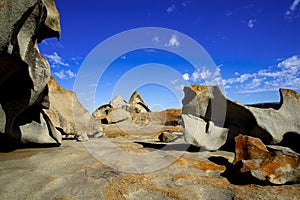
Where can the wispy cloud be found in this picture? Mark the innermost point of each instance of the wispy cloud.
(251, 23)
(174, 41)
(65, 74)
(205, 75)
(55, 60)
(171, 8)
(292, 13)
(285, 74)
(186, 3)
(155, 40)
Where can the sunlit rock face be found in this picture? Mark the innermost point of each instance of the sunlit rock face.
(212, 121)
(68, 115)
(24, 72)
(254, 162)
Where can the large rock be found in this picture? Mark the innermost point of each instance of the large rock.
(212, 137)
(118, 110)
(138, 103)
(253, 161)
(24, 72)
(211, 109)
(68, 115)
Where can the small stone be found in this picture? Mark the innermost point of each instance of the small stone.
(166, 137)
(83, 138)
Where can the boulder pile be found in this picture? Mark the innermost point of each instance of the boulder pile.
(118, 110)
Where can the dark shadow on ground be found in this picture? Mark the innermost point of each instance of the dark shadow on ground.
(171, 147)
(232, 175)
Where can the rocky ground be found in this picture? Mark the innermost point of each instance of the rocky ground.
(132, 167)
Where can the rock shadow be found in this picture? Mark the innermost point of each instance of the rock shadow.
(231, 174)
(171, 147)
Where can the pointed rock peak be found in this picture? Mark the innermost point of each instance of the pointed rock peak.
(117, 102)
(136, 98)
(54, 86)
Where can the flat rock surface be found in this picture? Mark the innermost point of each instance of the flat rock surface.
(126, 168)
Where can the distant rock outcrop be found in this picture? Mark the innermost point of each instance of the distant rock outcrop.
(118, 110)
(253, 162)
(68, 115)
(24, 72)
(211, 120)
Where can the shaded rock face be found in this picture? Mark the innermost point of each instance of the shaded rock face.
(254, 162)
(68, 115)
(208, 114)
(24, 72)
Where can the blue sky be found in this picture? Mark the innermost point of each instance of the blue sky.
(254, 44)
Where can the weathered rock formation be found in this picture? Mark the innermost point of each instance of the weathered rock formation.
(254, 162)
(24, 72)
(118, 110)
(25, 76)
(168, 117)
(211, 120)
(68, 115)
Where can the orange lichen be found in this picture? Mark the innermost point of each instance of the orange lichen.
(2, 5)
(133, 149)
(120, 188)
(66, 197)
(198, 164)
(291, 93)
(199, 88)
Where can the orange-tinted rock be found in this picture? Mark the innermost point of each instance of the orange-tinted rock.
(168, 117)
(68, 115)
(254, 161)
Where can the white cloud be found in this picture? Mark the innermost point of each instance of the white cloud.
(44, 42)
(294, 5)
(70, 74)
(55, 60)
(291, 13)
(155, 40)
(285, 74)
(205, 75)
(251, 23)
(65, 74)
(174, 41)
(186, 3)
(186, 77)
(200, 75)
(171, 8)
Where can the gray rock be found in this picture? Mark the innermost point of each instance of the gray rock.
(203, 134)
(117, 115)
(138, 102)
(24, 72)
(166, 137)
(67, 114)
(83, 138)
(117, 102)
(206, 105)
(118, 110)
